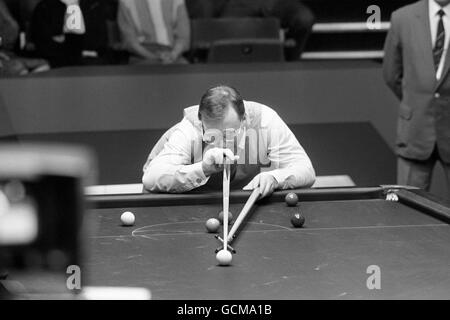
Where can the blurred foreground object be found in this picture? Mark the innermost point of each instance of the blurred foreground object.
(41, 215)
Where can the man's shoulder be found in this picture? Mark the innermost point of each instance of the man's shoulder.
(253, 106)
(185, 129)
(190, 110)
(190, 118)
(410, 9)
(260, 113)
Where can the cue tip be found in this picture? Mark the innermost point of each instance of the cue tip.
(228, 245)
(232, 250)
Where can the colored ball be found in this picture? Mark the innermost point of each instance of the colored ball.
(127, 218)
(230, 217)
(297, 220)
(212, 225)
(224, 257)
(291, 199)
(15, 190)
(4, 203)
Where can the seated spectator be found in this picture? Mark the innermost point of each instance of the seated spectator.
(71, 32)
(10, 63)
(9, 28)
(295, 17)
(155, 31)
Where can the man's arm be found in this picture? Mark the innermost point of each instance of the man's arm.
(291, 166)
(171, 170)
(393, 62)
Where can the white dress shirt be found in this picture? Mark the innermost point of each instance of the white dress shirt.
(434, 8)
(172, 169)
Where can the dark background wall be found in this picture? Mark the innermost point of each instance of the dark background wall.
(5, 123)
(121, 98)
(352, 10)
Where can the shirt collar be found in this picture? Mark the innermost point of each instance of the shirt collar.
(435, 7)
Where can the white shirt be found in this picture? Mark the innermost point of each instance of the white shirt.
(173, 171)
(434, 8)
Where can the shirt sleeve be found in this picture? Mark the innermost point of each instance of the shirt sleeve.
(290, 165)
(172, 169)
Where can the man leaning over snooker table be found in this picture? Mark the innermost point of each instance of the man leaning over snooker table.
(262, 149)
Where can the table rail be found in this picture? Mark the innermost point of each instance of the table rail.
(421, 200)
(198, 198)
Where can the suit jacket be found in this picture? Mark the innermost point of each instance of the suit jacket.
(9, 28)
(47, 22)
(408, 69)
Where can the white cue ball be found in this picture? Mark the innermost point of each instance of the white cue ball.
(127, 218)
(224, 257)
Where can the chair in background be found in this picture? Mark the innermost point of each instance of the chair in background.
(246, 50)
(236, 40)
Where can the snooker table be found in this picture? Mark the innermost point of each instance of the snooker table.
(401, 232)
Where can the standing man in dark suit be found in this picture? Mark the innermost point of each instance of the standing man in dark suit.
(62, 45)
(416, 68)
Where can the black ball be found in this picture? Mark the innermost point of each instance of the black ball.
(230, 217)
(291, 199)
(298, 220)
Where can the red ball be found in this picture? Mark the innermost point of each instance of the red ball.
(298, 220)
(212, 225)
(291, 199)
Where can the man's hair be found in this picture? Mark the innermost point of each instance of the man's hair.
(215, 100)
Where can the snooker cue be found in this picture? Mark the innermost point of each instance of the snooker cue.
(248, 205)
(226, 202)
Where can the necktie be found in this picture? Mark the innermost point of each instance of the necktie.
(440, 40)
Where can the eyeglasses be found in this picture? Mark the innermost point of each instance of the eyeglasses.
(215, 136)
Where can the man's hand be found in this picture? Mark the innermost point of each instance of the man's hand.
(266, 183)
(59, 39)
(214, 158)
(4, 56)
(168, 57)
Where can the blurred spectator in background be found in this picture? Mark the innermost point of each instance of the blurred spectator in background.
(9, 28)
(295, 17)
(154, 31)
(71, 32)
(10, 63)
